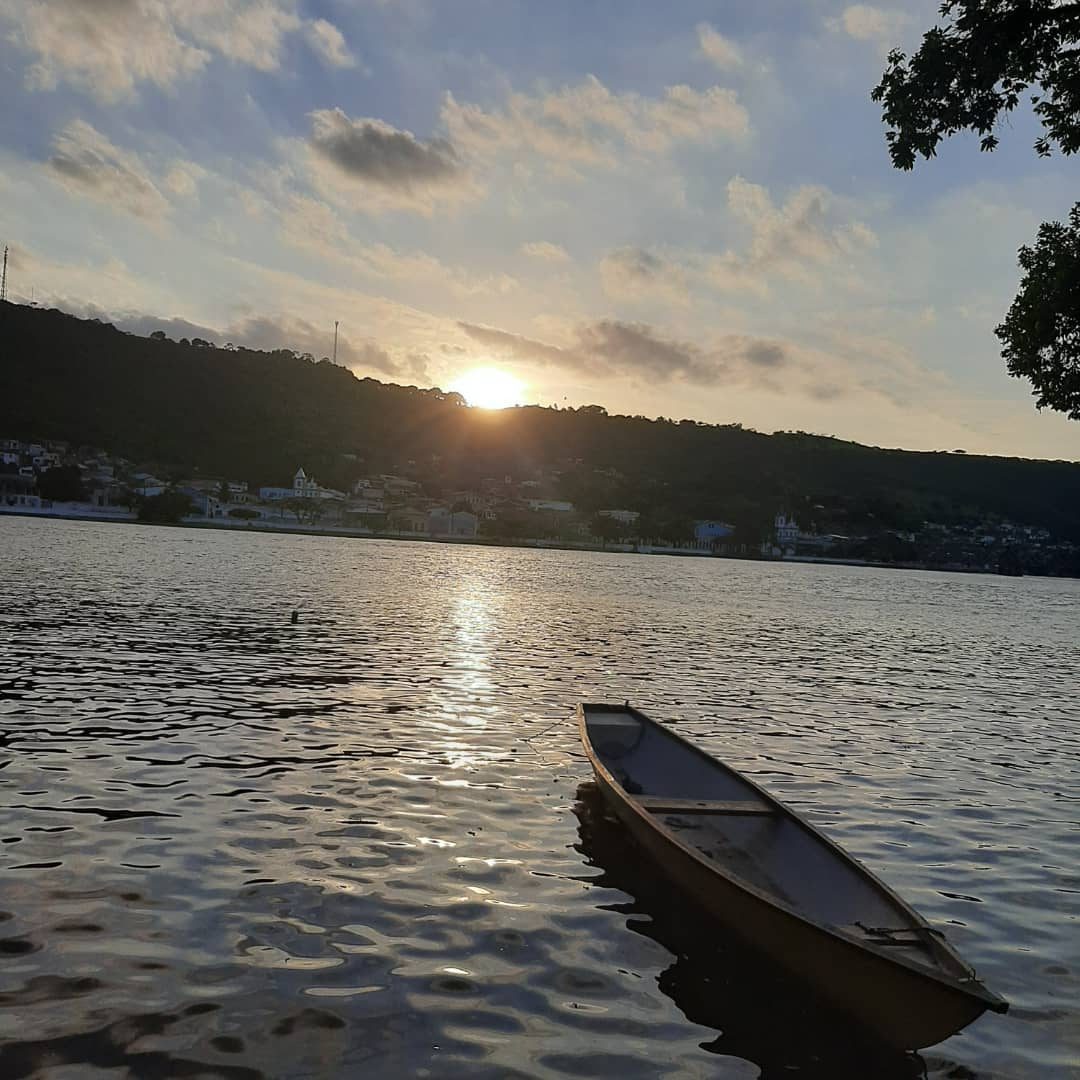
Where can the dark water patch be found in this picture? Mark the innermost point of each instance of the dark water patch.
(99, 811)
(113, 1047)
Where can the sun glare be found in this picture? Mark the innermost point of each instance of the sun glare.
(489, 388)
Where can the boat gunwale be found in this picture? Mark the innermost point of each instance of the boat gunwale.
(969, 985)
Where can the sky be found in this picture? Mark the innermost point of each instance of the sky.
(682, 209)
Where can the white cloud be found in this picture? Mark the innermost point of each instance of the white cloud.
(866, 23)
(328, 41)
(543, 249)
(183, 178)
(311, 225)
(86, 163)
(588, 124)
(791, 239)
(634, 273)
(109, 47)
(721, 51)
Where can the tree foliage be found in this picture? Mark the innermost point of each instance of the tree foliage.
(168, 508)
(977, 67)
(63, 483)
(966, 76)
(1041, 333)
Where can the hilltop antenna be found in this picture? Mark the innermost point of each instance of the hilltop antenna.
(335, 339)
(3, 277)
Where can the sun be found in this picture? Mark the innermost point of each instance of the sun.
(489, 388)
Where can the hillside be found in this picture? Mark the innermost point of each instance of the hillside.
(256, 415)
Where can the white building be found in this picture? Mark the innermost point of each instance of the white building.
(556, 506)
(787, 531)
(625, 517)
(303, 487)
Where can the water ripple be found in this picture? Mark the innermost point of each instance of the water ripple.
(365, 843)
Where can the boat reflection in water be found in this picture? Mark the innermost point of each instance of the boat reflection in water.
(719, 982)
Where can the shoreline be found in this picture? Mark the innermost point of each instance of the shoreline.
(533, 544)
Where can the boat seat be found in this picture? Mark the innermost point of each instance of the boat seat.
(657, 804)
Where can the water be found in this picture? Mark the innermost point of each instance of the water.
(364, 844)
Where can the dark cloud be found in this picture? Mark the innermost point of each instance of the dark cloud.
(610, 348)
(88, 164)
(637, 348)
(145, 325)
(373, 151)
(636, 263)
(263, 332)
(766, 354)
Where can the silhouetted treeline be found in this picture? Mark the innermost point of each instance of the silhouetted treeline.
(255, 416)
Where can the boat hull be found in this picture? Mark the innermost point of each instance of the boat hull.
(904, 1009)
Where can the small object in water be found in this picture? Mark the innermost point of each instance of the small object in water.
(296, 616)
(755, 864)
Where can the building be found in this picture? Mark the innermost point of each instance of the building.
(147, 485)
(409, 521)
(624, 517)
(17, 492)
(705, 532)
(787, 531)
(556, 506)
(303, 487)
(276, 494)
(461, 523)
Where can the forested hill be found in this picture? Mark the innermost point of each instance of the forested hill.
(255, 416)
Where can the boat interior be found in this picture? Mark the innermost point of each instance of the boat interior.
(713, 810)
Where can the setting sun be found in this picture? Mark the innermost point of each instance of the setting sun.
(489, 388)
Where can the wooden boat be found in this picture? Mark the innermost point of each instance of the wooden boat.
(782, 885)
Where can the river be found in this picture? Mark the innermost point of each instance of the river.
(364, 843)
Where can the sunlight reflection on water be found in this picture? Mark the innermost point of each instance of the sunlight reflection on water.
(240, 847)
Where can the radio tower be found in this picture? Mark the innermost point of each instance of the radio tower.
(3, 278)
(335, 323)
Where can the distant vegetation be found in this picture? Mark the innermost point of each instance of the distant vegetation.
(256, 416)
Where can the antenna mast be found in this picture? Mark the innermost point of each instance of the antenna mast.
(3, 277)
(335, 324)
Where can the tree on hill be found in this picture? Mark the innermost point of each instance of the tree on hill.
(168, 508)
(61, 484)
(255, 415)
(966, 76)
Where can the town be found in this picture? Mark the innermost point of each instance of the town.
(55, 479)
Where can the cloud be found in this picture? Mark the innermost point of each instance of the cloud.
(609, 348)
(721, 51)
(327, 40)
(789, 240)
(86, 163)
(393, 168)
(792, 241)
(312, 225)
(588, 125)
(866, 23)
(542, 249)
(374, 152)
(109, 47)
(265, 332)
(636, 273)
(183, 178)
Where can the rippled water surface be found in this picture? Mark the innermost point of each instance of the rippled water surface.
(365, 844)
